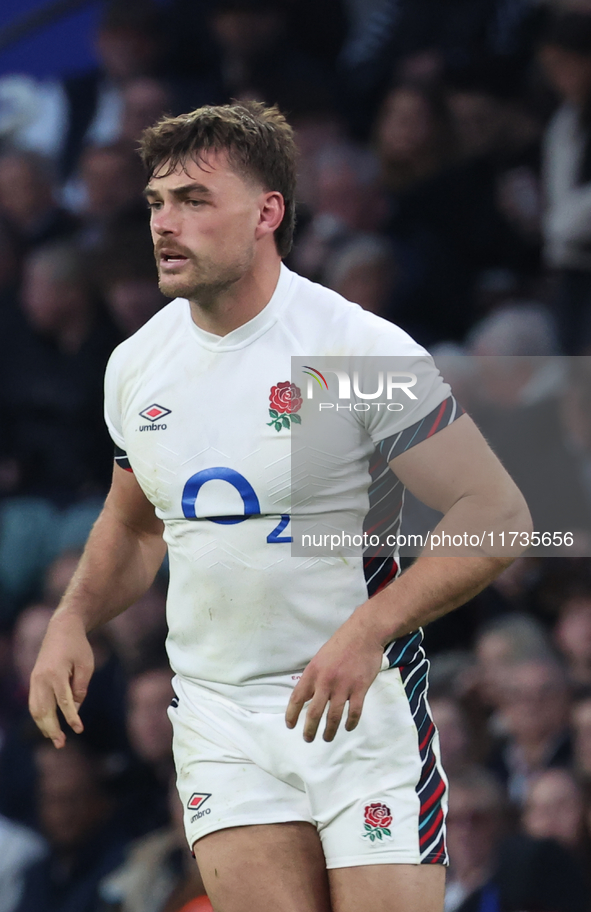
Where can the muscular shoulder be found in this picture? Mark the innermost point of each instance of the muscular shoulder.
(326, 323)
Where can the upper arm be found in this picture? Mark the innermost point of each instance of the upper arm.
(127, 503)
(454, 463)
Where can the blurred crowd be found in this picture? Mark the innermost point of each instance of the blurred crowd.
(444, 184)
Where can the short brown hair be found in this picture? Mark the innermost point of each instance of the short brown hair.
(257, 139)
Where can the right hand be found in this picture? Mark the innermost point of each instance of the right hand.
(60, 677)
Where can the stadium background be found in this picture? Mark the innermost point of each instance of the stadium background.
(437, 188)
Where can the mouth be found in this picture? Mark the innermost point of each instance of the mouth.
(170, 261)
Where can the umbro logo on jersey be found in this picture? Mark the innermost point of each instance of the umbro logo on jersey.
(154, 412)
(195, 802)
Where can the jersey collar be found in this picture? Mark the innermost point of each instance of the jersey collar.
(248, 332)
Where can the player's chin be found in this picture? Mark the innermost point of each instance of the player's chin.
(173, 287)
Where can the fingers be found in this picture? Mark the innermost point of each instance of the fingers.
(314, 715)
(320, 698)
(80, 680)
(65, 701)
(355, 707)
(302, 692)
(42, 706)
(333, 717)
(46, 695)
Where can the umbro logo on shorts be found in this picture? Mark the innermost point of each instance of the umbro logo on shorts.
(195, 802)
(197, 799)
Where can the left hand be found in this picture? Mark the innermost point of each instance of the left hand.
(342, 670)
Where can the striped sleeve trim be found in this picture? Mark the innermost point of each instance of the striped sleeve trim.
(441, 416)
(121, 459)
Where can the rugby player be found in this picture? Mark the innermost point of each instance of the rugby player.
(269, 649)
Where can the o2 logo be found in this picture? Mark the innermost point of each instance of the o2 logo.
(250, 500)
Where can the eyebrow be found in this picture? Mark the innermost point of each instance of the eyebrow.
(180, 192)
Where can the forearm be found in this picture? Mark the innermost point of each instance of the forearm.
(430, 588)
(118, 565)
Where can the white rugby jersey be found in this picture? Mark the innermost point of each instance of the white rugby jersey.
(193, 413)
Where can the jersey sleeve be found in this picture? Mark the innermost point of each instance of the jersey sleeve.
(113, 402)
(122, 459)
(442, 416)
(415, 404)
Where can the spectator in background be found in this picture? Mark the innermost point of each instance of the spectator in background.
(125, 273)
(535, 413)
(581, 723)
(132, 297)
(415, 137)
(454, 734)
(103, 711)
(76, 814)
(159, 874)
(480, 119)
(500, 645)
(573, 637)
(130, 43)
(145, 784)
(534, 710)
(554, 809)
(315, 132)
(138, 634)
(444, 213)
(516, 327)
(20, 847)
(17, 770)
(396, 37)
(145, 100)
(27, 637)
(492, 870)
(109, 200)
(474, 829)
(51, 381)
(499, 136)
(149, 696)
(257, 58)
(28, 204)
(364, 270)
(344, 199)
(59, 117)
(566, 56)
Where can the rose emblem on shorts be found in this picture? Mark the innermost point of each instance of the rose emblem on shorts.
(285, 400)
(378, 818)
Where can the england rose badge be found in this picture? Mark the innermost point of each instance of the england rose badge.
(285, 401)
(378, 818)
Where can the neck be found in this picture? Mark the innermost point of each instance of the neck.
(227, 308)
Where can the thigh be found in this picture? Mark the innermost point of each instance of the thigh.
(270, 868)
(388, 888)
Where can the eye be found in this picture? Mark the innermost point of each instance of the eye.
(154, 205)
(194, 203)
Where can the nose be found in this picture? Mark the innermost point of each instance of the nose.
(164, 221)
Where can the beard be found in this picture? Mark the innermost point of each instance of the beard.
(202, 279)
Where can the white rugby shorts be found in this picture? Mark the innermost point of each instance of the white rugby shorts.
(377, 795)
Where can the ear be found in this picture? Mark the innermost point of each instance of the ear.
(271, 212)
